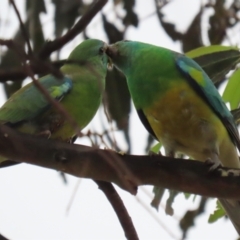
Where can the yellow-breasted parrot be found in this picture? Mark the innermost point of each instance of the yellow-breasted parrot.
(179, 105)
(79, 92)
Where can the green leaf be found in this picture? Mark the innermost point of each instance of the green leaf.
(158, 191)
(118, 101)
(118, 98)
(199, 52)
(113, 34)
(66, 13)
(236, 115)
(39, 4)
(34, 25)
(10, 60)
(216, 60)
(131, 18)
(187, 195)
(169, 210)
(192, 38)
(217, 214)
(217, 29)
(158, 194)
(231, 92)
(156, 148)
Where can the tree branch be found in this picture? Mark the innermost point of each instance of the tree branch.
(14, 46)
(58, 43)
(82, 161)
(119, 208)
(50, 46)
(23, 29)
(3, 238)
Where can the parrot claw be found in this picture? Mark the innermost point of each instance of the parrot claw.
(213, 163)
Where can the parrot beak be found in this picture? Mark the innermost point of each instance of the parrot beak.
(112, 52)
(109, 64)
(103, 50)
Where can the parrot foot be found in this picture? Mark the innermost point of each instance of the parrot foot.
(230, 172)
(213, 164)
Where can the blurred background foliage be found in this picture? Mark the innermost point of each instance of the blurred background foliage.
(217, 61)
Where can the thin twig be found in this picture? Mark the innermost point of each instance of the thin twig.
(23, 29)
(73, 196)
(119, 208)
(58, 43)
(7, 42)
(14, 46)
(147, 208)
(38, 66)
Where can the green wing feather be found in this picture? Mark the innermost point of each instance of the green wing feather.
(204, 87)
(29, 102)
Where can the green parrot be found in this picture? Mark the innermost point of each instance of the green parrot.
(179, 105)
(79, 92)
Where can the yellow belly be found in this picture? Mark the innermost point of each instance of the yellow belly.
(183, 122)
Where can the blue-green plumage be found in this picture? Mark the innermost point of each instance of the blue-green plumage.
(179, 105)
(79, 92)
(29, 102)
(204, 87)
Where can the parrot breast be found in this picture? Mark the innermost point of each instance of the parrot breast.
(184, 123)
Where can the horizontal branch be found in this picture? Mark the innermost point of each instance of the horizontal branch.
(12, 74)
(127, 171)
(19, 73)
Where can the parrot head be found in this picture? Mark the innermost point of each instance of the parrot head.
(91, 50)
(121, 54)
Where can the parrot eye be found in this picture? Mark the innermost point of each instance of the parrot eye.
(101, 50)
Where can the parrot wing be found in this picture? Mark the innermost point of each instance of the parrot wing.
(145, 123)
(29, 102)
(204, 87)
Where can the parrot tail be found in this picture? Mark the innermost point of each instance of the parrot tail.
(232, 208)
